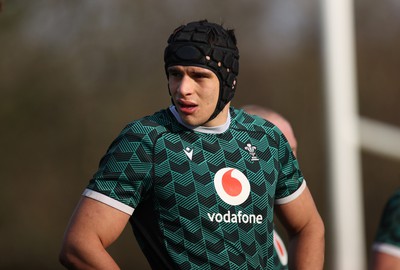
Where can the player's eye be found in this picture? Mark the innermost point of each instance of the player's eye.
(174, 73)
(200, 75)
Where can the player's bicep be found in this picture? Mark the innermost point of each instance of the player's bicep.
(94, 220)
(384, 261)
(298, 213)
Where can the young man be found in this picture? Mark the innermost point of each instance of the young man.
(386, 247)
(280, 252)
(197, 181)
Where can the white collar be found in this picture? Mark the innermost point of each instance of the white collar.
(211, 130)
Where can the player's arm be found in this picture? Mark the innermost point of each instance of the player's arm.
(93, 227)
(306, 232)
(384, 261)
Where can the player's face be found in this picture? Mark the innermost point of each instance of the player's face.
(195, 92)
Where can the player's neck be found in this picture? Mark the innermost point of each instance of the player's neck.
(204, 129)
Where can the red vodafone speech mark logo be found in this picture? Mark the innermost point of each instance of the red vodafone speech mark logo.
(232, 186)
(280, 249)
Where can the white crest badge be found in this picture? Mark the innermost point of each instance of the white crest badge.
(252, 151)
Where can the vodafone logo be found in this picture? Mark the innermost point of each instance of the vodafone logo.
(280, 249)
(232, 186)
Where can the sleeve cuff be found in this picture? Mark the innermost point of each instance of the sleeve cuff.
(109, 201)
(292, 196)
(387, 248)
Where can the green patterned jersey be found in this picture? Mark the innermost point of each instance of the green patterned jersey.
(200, 198)
(387, 239)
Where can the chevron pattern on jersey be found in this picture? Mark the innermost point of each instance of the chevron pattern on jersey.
(197, 227)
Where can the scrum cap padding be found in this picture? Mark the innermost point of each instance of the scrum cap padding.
(210, 46)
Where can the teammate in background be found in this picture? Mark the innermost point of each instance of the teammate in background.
(281, 261)
(197, 181)
(386, 247)
(277, 119)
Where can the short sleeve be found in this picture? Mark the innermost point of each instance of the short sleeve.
(290, 180)
(124, 174)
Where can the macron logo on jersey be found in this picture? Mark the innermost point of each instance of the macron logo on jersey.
(189, 152)
(233, 187)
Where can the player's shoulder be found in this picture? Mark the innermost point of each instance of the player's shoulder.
(251, 122)
(393, 203)
(162, 120)
(151, 125)
(396, 196)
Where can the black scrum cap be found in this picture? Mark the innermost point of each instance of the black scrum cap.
(207, 45)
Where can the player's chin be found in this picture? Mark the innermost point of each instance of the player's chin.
(192, 120)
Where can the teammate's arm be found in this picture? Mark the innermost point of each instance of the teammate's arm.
(306, 232)
(93, 227)
(384, 261)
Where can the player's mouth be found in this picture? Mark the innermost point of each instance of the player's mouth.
(187, 107)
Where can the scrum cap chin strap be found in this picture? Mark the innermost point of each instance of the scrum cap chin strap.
(210, 46)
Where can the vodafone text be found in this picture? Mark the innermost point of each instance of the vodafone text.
(235, 218)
